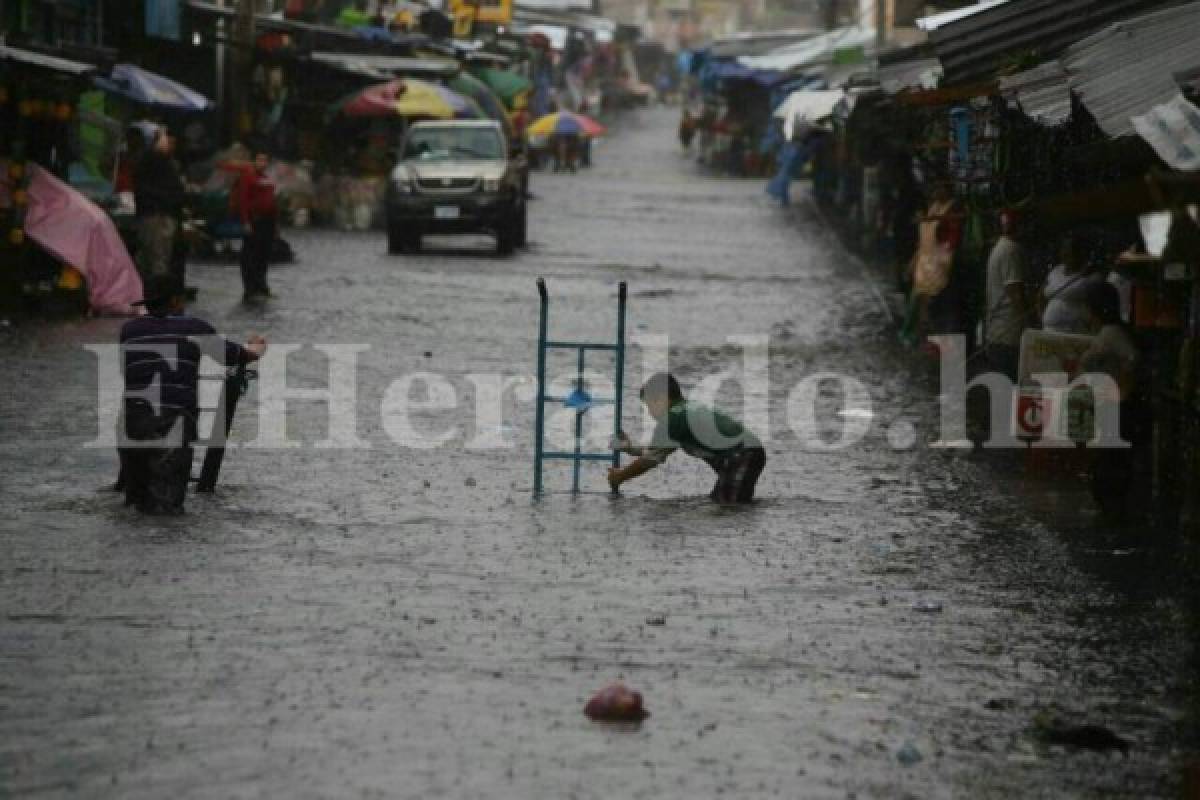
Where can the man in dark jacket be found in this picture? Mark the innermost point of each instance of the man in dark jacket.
(159, 194)
(160, 355)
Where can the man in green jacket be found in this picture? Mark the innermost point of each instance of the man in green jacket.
(714, 437)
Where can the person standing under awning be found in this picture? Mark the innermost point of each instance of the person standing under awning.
(159, 195)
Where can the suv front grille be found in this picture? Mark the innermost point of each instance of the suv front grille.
(446, 185)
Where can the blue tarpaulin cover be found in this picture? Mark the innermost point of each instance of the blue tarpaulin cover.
(151, 89)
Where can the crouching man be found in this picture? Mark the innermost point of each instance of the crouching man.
(734, 454)
(160, 354)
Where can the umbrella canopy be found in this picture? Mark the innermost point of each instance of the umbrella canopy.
(374, 101)
(151, 89)
(67, 224)
(564, 122)
(508, 86)
(469, 86)
(409, 98)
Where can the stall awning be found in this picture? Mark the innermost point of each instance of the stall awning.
(806, 108)
(919, 73)
(732, 70)
(42, 61)
(1129, 67)
(1043, 93)
(822, 49)
(387, 67)
(757, 44)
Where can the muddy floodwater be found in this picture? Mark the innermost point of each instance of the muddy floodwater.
(392, 621)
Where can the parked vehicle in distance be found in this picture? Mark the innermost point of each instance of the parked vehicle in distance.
(455, 176)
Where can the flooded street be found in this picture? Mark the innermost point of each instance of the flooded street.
(387, 621)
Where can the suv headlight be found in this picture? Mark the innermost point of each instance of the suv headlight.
(491, 184)
(402, 181)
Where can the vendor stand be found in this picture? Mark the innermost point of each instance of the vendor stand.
(39, 99)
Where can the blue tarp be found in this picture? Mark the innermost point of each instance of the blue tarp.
(152, 89)
(729, 69)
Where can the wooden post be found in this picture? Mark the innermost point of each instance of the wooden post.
(243, 66)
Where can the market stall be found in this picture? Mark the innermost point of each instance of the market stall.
(39, 113)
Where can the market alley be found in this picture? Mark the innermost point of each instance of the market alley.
(389, 621)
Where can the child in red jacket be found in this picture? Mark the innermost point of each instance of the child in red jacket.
(256, 207)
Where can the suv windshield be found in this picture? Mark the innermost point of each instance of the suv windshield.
(453, 144)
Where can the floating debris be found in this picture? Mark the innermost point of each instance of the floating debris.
(616, 703)
(908, 754)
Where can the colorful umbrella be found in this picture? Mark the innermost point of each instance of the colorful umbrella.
(151, 89)
(508, 86)
(469, 86)
(374, 101)
(424, 99)
(81, 234)
(409, 98)
(564, 122)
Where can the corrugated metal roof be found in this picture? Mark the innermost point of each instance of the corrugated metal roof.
(1128, 68)
(920, 73)
(976, 46)
(1042, 93)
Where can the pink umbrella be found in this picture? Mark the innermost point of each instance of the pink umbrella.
(78, 232)
(374, 101)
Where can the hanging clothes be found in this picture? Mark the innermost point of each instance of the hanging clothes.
(939, 234)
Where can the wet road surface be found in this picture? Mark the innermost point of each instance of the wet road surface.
(396, 622)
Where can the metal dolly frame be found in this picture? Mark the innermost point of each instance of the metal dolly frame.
(578, 399)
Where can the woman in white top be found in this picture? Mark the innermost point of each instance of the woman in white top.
(1063, 297)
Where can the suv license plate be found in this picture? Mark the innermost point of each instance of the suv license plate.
(445, 212)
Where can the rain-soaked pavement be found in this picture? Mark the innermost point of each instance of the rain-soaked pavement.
(396, 622)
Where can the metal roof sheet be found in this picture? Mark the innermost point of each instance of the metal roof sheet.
(1042, 93)
(976, 46)
(1129, 67)
(920, 73)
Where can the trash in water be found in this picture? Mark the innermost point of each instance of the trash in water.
(616, 703)
(908, 754)
(927, 606)
(1086, 736)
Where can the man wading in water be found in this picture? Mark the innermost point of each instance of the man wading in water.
(714, 437)
(160, 353)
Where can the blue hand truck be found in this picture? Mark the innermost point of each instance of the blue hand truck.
(579, 399)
